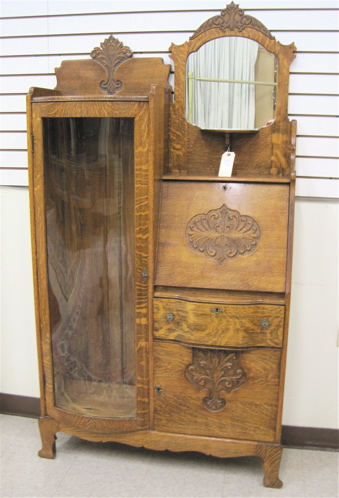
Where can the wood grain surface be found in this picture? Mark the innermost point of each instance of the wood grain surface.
(234, 326)
(137, 76)
(220, 296)
(263, 270)
(250, 411)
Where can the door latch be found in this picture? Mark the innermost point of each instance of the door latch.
(145, 275)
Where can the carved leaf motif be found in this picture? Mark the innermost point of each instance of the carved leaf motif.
(215, 371)
(110, 54)
(232, 18)
(223, 234)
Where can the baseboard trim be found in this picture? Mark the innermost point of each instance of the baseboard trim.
(292, 437)
(24, 406)
(310, 437)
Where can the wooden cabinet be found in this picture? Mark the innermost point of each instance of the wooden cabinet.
(162, 289)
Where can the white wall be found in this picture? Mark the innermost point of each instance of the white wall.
(19, 370)
(311, 394)
(311, 389)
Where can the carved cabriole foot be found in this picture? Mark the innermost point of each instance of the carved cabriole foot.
(48, 427)
(271, 456)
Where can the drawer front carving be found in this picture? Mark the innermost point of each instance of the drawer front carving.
(215, 371)
(247, 412)
(218, 324)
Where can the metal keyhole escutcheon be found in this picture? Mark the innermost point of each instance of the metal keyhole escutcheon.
(265, 323)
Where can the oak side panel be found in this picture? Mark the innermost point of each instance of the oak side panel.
(288, 286)
(158, 155)
(34, 243)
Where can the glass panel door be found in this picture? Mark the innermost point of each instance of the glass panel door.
(89, 209)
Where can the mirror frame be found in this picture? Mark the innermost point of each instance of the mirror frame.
(232, 21)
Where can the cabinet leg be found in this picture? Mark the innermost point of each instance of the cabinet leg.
(48, 427)
(271, 456)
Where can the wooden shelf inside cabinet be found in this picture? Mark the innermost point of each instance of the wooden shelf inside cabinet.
(238, 179)
(228, 134)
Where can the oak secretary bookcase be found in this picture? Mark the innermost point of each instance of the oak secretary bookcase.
(162, 289)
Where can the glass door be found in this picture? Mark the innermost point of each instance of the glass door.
(89, 202)
(95, 363)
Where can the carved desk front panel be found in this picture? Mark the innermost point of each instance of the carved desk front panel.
(221, 235)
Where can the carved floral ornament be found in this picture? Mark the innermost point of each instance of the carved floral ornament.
(223, 234)
(110, 54)
(232, 18)
(215, 371)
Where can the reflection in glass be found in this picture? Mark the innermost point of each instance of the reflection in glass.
(89, 202)
(230, 85)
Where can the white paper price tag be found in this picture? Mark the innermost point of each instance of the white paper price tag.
(226, 164)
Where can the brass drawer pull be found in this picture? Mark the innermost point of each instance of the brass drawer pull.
(265, 323)
(217, 310)
(169, 317)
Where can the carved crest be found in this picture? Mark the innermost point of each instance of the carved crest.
(232, 18)
(223, 234)
(110, 54)
(215, 371)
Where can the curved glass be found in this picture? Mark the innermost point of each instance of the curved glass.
(89, 209)
(231, 85)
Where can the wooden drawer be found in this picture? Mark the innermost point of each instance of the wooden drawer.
(216, 393)
(217, 235)
(209, 324)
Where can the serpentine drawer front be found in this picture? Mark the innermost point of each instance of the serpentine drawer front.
(218, 324)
